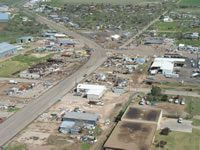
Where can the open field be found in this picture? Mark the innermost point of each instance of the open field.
(176, 26)
(189, 42)
(19, 63)
(194, 11)
(193, 105)
(16, 28)
(178, 140)
(189, 3)
(119, 2)
(9, 67)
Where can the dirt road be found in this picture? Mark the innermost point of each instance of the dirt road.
(25, 116)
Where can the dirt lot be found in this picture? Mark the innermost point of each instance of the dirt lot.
(39, 134)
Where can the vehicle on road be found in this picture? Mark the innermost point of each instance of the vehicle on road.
(180, 120)
(1, 120)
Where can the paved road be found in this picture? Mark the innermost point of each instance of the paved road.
(25, 116)
(168, 92)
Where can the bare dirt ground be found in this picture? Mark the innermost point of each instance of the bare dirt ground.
(39, 134)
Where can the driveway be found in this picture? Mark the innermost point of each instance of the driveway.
(185, 126)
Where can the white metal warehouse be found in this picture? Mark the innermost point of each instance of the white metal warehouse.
(165, 65)
(92, 91)
(7, 49)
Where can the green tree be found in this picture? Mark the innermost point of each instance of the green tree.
(164, 98)
(156, 91)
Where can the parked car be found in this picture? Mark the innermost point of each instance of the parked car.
(182, 102)
(180, 120)
(176, 101)
(171, 100)
(141, 102)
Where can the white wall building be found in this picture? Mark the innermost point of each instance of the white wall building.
(165, 65)
(92, 91)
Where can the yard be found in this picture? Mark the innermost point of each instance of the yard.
(19, 63)
(193, 105)
(189, 3)
(178, 141)
(189, 42)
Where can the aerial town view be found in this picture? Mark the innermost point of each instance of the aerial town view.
(99, 74)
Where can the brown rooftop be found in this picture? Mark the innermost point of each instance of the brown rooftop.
(131, 136)
(142, 113)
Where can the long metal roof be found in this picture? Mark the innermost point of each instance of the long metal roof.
(81, 116)
(4, 47)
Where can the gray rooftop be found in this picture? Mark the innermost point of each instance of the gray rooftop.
(4, 16)
(6, 47)
(81, 116)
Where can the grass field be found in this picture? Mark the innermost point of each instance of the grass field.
(85, 146)
(193, 105)
(195, 122)
(175, 27)
(19, 63)
(114, 2)
(195, 11)
(179, 140)
(190, 3)
(9, 67)
(16, 147)
(189, 42)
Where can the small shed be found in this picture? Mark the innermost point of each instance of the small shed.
(25, 39)
(67, 43)
(4, 17)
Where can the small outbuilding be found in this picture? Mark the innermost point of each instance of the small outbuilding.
(25, 39)
(4, 17)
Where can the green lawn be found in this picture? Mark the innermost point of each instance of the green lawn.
(195, 122)
(189, 42)
(7, 68)
(30, 59)
(86, 146)
(193, 105)
(16, 147)
(188, 10)
(190, 3)
(19, 63)
(179, 140)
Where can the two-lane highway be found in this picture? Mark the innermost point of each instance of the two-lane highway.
(25, 116)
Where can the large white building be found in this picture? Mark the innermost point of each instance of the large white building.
(165, 65)
(92, 91)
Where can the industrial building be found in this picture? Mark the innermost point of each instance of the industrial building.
(165, 65)
(7, 49)
(85, 118)
(136, 130)
(70, 127)
(4, 17)
(25, 39)
(91, 91)
(67, 43)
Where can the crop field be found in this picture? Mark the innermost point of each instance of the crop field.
(178, 141)
(190, 3)
(115, 2)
